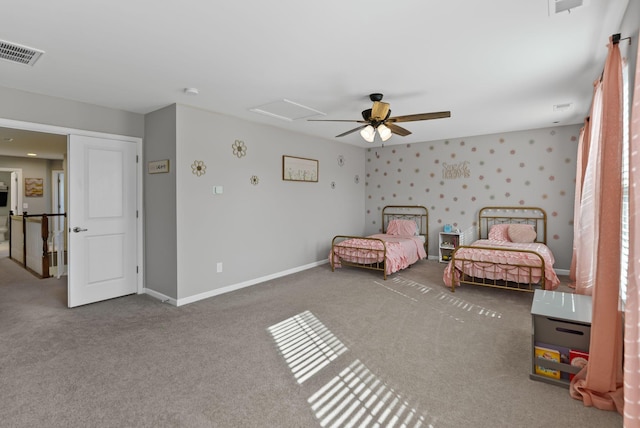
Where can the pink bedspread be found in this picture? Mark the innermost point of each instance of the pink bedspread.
(402, 251)
(484, 258)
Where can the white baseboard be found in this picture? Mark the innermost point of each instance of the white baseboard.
(163, 298)
(229, 288)
(234, 287)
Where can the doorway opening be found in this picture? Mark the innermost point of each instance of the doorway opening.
(28, 157)
(92, 160)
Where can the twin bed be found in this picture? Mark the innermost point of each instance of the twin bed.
(403, 241)
(510, 251)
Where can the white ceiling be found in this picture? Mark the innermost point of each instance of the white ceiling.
(19, 143)
(497, 65)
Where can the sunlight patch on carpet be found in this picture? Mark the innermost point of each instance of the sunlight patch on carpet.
(449, 299)
(464, 305)
(395, 291)
(306, 344)
(357, 397)
(424, 289)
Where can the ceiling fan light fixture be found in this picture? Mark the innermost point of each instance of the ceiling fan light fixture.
(384, 132)
(368, 133)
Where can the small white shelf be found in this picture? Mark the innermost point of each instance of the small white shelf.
(447, 244)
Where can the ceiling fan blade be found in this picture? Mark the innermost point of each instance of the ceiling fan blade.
(379, 110)
(353, 130)
(335, 120)
(420, 116)
(399, 130)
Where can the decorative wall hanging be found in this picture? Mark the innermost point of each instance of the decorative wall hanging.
(33, 187)
(239, 149)
(254, 180)
(299, 169)
(198, 168)
(158, 167)
(459, 170)
(340, 160)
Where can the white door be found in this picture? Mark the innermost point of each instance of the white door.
(102, 219)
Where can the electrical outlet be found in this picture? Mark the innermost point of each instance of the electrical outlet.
(219, 267)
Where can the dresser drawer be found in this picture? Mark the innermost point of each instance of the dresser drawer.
(570, 334)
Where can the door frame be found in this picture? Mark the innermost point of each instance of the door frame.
(60, 130)
(16, 191)
(56, 196)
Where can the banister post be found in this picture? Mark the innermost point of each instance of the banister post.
(44, 233)
(24, 239)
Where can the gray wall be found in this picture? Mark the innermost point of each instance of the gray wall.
(160, 204)
(34, 168)
(30, 107)
(264, 229)
(525, 168)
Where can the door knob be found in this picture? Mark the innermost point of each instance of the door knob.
(77, 229)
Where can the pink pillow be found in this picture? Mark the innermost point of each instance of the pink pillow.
(402, 227)
(499, 232)
(522, 233)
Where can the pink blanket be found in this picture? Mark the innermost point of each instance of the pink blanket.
(482, 261)
(402, 251)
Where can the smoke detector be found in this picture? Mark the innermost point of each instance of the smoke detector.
(14, 52)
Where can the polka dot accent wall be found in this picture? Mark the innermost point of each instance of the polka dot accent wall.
(455, 178)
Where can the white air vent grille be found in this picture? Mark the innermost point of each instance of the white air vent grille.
(18, 53)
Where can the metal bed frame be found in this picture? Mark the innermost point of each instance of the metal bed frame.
(487, 217)
(417, 213)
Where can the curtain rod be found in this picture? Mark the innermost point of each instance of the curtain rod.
(615, 38)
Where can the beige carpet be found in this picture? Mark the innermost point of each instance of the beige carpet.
(311, 349)
(4, 249)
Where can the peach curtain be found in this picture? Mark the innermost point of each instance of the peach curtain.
(601, 386)
(632, 309)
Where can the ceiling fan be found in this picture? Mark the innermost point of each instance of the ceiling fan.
(377, 118)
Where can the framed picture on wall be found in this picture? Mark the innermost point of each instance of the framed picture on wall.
(33, 187)
(299, 169)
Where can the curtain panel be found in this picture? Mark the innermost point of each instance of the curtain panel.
(600, 384)
(587, 232)
(584, 140)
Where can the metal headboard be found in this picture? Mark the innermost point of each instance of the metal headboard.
(417, 213)
(537, 217)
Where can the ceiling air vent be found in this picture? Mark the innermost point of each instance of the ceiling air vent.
(18, 53)
(563, 107)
